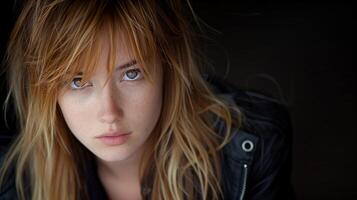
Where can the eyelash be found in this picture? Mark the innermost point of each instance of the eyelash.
(84, 85)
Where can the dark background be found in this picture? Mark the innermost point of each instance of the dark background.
(301, 53)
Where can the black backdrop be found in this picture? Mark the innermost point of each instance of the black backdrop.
(302, 54)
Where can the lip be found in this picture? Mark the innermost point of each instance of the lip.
(112, 134)
(112, 139)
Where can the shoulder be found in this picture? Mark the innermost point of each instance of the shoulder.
(266, 123)
(258, 158)
(256, 163)
(266, 120)
(266, 129)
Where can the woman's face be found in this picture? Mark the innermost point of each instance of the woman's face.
(97, 112)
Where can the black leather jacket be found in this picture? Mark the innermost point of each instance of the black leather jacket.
(256, 164)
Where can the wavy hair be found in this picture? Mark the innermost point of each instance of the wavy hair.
(53, 40)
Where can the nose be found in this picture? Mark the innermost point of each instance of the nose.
(110, 111)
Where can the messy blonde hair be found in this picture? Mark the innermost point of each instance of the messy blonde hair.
(55, 39)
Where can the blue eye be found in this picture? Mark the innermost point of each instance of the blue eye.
(78, 84)
(132, 74)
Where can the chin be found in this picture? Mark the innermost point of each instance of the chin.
(112, 156)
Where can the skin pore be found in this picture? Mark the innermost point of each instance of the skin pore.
(126, 103)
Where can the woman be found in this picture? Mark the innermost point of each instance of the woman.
(112, 104)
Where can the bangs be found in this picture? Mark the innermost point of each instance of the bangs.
(75, 46)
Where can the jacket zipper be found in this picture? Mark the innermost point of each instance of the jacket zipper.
(245, 174)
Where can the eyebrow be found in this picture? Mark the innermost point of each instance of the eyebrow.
(126, 65)
(123, 66)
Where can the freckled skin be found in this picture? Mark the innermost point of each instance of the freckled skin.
(120, 105)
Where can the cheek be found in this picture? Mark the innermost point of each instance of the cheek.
(144, 108)
(73, 115)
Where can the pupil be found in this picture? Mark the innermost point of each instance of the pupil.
(132, 74)
(77, 82)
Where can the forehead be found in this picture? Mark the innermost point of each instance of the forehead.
(114, 50)
(113, 53)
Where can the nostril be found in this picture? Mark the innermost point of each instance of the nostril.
(110, 119)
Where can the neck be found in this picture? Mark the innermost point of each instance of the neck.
(121, 179)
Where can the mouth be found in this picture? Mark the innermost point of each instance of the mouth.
(112, 139)
(113, 134)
